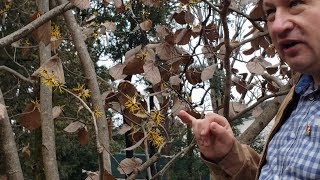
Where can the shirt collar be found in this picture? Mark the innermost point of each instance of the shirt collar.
(303, 84)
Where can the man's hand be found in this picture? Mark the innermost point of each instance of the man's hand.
(213, 134)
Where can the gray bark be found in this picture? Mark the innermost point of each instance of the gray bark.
(47, 124)
(8, 145)
(89, 71)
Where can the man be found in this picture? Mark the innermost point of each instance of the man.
(292, 150)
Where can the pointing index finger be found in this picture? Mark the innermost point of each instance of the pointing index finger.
(186, 117)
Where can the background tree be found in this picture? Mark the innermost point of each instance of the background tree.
(165, 56)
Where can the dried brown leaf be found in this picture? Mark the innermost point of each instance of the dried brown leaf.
(241, 86)
(146, 25)
(53, 66)
(189, 17)
(26, 152)
(123, 129)
(182, 36)
(74, 127)
(208, 72)
(81, 4)
(110, 26)
(257, 11)
(248, 51)
(193, 76)
(178, 106)
(175, 80)
(207, 52)
(272, 69)
(42, 33)
(127, 165)
(163, 31)
(152, 73)
(56, 111)
(83, 136)
(179, 17)
(55, 43)
(151, 3)
(120, 7)
(257, 66)
(116, 72)
(30, 117)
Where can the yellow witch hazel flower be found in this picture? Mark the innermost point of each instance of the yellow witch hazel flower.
(134, 106)
(97, 113)
(55, 32)
(82, 92)
(50, 79)
(155, 138)
(157, 117)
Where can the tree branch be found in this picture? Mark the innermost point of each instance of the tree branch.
(24, 31)
(15, 73)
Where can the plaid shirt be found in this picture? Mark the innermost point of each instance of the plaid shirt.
(294, 151)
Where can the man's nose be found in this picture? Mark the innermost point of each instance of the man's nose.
(282, 24)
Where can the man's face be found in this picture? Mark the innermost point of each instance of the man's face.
(294, 27)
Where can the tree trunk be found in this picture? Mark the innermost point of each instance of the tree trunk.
(8, 145)
(89, 71)
(47, 124)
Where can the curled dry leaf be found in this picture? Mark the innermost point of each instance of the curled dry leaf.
(151, 3)
(74, 127)
(183, 17)
(241, 86)
(42, 33)
(120, 7)
(175, 80)
(110, 26)
(127, 165)
(146, 25)
(272, 69)
(55, 43)
(193, 76)
(53, 66)
(178, 106)
(116, 72)
(162, 31)
(208, 72)
(182, 36)
(83, 136)
(152, 73)
(56, 111)
(81, 4)
(30, 117)
(207, 51)
(248, 51)
(127, 88)
(257, 66)
(257, 11)
(95, 175)
(26, 152)
(123, 129)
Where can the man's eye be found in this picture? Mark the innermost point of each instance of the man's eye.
(294, 3)
(270, 14)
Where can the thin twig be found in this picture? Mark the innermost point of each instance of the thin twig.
(16, 74)
(166, 167)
